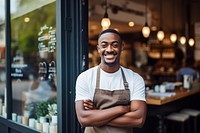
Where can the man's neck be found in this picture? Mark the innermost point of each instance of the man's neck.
(109, 69)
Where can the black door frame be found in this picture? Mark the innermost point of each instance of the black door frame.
(72, 27)
(72, 59)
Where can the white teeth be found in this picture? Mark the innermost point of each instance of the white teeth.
(109, 56)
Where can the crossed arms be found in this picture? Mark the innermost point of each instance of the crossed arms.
(118, 116)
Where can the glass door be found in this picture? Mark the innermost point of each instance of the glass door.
(33, 63)
(2, 60)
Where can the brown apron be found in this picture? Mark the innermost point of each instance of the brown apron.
(105, 99)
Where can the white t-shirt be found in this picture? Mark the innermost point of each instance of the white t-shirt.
(86, 83)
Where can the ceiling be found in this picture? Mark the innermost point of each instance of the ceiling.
(178, 15)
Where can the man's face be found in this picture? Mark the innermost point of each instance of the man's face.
(109, 47)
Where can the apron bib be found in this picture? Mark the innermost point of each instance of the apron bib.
(105, 99)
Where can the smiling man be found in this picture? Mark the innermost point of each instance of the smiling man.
(110, 98)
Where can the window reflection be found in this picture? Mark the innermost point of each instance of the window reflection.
(2, 61)
(33, 52)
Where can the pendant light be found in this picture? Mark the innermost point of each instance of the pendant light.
(146, 29)
(182, 38)
(191, 42)
(160, 33)
(105, 22)
(173, 36)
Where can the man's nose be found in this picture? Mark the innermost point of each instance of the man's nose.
(109, 48)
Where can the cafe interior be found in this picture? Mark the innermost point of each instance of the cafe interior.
(161, 37)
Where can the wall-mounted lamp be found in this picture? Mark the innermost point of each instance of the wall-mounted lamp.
(105, 22)
(146, 29)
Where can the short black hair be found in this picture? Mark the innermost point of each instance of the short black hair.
(110, 31)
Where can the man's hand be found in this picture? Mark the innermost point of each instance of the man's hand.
(89, 115)
(88, 104)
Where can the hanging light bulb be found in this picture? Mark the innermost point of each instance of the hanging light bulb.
(182, 40)
(146, 29)
(191, 42)
(160, 35)
(105, 22)
(173, 37)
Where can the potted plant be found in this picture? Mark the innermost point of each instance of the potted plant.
(52, 112)
(42, 111)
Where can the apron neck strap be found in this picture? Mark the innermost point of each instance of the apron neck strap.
(98, 78)
(124, 79)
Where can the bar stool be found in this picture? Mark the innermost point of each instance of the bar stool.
(195, 119)
(177, 123)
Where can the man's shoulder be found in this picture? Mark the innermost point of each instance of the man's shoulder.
(87, 74)
(130, 72)
(89, 71)
(127, 70)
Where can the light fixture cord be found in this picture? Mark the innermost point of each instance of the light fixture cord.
(173, 14)
(146, 10)
(183, 18)
(106, 6)
(161, 14)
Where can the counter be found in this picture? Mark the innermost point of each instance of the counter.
(178, 94)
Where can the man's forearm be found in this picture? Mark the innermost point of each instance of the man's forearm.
(130, 119)
(100, 117)
(121, 121)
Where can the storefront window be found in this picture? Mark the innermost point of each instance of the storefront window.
(33, 63)
(2, 61)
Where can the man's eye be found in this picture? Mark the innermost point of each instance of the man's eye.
(103, 45)
(115, 45)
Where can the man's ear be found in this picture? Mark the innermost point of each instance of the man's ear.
(122, 46)
(98, 48)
